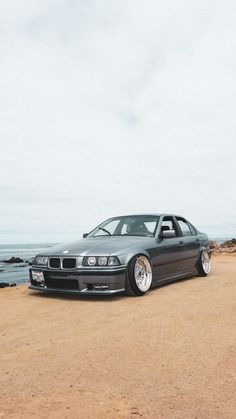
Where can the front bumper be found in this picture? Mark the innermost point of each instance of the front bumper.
(84, 281)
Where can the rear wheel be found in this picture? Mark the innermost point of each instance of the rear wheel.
(139, 276)
(204, 264)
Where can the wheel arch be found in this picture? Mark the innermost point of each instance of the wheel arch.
(137, 252)
(205, 247)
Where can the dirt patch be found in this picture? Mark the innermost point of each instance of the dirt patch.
(169, 354)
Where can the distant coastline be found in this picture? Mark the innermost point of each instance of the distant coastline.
(18, 272)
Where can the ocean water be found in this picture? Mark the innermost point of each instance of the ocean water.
(19, 273)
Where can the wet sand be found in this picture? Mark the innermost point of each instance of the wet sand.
(169, 354)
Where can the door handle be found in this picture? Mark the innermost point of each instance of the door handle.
(197, 240)
(181, 243)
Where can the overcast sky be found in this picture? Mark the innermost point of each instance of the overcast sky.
(114, 107)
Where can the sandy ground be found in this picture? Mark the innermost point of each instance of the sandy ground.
(170, 354)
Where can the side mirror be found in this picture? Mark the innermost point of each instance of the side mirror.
(85, 235)
(168, 234)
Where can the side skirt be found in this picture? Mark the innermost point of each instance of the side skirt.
(174, 278)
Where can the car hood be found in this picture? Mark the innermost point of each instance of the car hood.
(101, 246)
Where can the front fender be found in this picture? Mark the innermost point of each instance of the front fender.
(127, 257)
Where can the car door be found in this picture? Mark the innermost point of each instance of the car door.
(170, 251)
(191, 244)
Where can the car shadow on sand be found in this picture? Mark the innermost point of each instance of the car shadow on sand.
(74, 297)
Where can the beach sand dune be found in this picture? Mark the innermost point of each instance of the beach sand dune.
(169, 354)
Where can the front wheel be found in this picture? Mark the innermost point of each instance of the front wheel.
(139, 276)
(204, 264)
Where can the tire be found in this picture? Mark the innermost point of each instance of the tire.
(139, 276)
(204, 264)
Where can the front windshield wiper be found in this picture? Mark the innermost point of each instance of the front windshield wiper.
(103, 229)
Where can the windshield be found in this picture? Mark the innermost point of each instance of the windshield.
(134, 225)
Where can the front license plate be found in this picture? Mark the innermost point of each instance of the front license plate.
(37, 276)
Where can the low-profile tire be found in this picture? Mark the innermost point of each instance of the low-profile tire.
(204, 264)
(138, 276)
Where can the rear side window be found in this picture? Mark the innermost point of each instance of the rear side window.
(185, 228)
(193, 230)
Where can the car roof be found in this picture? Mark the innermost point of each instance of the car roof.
(149, 214)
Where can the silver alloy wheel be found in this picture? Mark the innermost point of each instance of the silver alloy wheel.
(205, 260)
(143, 273)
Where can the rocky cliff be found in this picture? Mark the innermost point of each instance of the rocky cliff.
(229, 246)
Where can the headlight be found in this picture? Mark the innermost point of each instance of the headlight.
(102, 260)
(113, 261)
(42, 260)
(91, 261)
